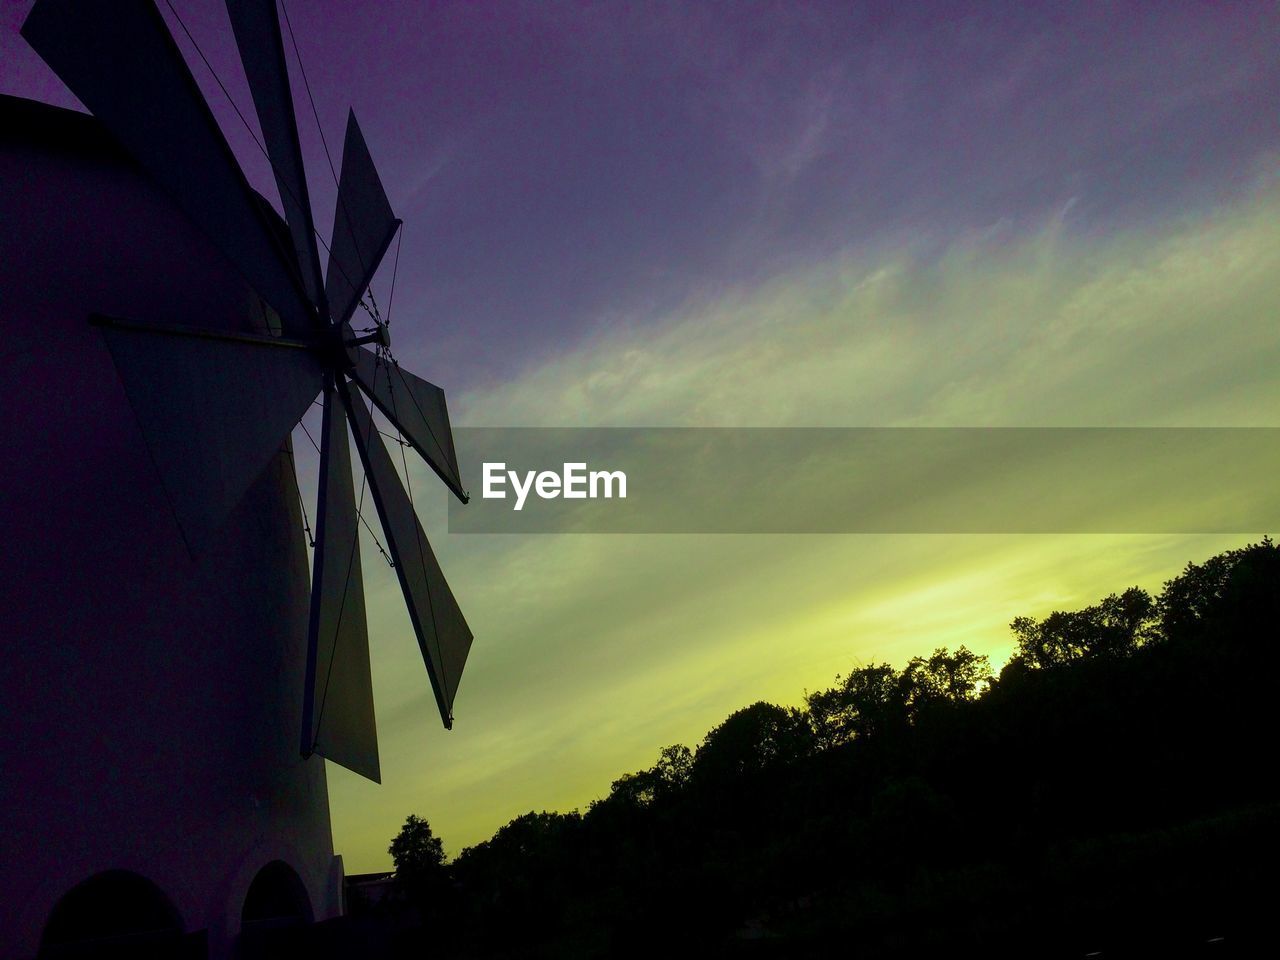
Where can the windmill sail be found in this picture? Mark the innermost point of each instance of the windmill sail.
(213, 412)
(120, 61)
(257, 30)
(442, 631)
(363, 226)
(418, 410)
(338, 717)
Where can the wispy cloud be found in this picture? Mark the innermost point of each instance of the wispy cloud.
(1153, 326)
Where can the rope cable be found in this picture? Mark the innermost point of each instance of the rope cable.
(306, 521)
(395, 268)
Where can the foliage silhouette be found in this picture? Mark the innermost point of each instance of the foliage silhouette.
(417, 853)
(1114, 780)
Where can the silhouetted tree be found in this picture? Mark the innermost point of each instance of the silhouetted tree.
(944, 678)
(1192, 597)
(867, 702)
(638, 789)
(418, 854)
(421, 875)
(674, 767)
(664, 779)
(1116, 626)
(749, 741)
(520, 879)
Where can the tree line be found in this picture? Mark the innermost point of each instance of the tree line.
(1119, 759)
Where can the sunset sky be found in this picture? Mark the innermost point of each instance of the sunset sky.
(841, 214)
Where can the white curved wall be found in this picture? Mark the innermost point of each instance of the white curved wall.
(152, 703)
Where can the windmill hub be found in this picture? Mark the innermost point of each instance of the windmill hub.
(338, 346)
(379, 334)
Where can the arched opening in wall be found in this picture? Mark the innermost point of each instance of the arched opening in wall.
(116, 913)
(276, 898)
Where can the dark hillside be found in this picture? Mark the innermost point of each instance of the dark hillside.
(1114, 789)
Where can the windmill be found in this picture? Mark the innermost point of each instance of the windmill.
(215, 404)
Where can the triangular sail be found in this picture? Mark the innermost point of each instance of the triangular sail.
(417, 408)
(257, 30)
(213, 412)
(338, 717)
(442, 631)
(363, 226)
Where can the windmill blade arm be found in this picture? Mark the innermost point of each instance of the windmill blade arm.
(203, 333)
(417, 409)
(363, 226)
(442, 631)
(257, 30)
(338, 717)
(120, 61)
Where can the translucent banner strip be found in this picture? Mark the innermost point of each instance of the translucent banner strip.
(868, 480)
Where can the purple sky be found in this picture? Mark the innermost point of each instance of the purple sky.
(560, 166)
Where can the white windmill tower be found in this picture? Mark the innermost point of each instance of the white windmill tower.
(164, 652)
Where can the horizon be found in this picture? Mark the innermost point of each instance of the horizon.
(683, 217)
(799, 702)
